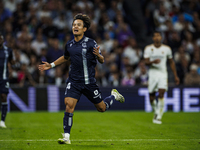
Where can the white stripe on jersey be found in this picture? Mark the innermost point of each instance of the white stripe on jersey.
(85, 68)
(5, 63)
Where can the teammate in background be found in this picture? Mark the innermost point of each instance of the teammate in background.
(83, 53)
(6, 56)
(156, 56)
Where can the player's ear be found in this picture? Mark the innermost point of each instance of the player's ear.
(84, 29)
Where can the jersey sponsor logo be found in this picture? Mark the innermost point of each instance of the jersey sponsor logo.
(84, 45)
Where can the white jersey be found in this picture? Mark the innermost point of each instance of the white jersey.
(163, 53)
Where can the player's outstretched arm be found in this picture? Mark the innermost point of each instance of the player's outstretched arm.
(173, 67)
(47, 66)
(44, 66)
(100, 58)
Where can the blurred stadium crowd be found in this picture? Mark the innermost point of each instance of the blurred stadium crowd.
(37, 30)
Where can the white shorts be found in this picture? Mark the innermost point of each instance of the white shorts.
(156, 82)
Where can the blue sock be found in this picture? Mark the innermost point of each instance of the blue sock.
(109, 101)
(4, 109)
(67, 122)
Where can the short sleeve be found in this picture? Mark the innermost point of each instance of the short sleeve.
(169, 54)
(66, 53)
(94, 44)
(146, 52)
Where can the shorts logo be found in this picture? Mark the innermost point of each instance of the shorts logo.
(70, 45)
(68, 87)
(97, 94)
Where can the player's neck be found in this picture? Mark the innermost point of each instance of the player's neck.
(78, 38)
(157, 45)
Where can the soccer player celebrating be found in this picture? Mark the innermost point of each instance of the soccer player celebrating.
(156, 56)
(83, 53)
(6, 56)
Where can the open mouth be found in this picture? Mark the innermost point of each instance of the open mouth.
(75, 31)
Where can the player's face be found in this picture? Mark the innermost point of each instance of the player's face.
(78, 27)
(157, 37)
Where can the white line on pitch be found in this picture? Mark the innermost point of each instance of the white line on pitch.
(101, 140)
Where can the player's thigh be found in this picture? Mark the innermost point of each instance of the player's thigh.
(162, 84)
(92, 92)
(153, 84)
(73, 90)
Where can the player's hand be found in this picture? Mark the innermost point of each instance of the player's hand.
(156, 61)
(96, 51)
(44, 66)
(177, 81)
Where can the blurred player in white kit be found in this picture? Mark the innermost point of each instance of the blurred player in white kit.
(156, 56)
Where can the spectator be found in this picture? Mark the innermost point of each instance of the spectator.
(181, 54)
(114, 78)
(108, 42)
(192, 78)
(44, 13)
(4, 13)
(132, 52)
(128, 79)
(54, 51)
(58, 80)
(24, 77)
(143, 77)
(160, 18)
(38, 44)
(50, 30)
(60, 22)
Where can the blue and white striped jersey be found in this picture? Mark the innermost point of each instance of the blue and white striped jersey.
(83, 61)
(5, 56)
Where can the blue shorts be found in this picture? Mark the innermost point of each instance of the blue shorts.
(4, 86)
(91, 91)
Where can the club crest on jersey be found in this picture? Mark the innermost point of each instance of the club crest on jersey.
(152, 49)
(162, 52)
(96, 92)
(84, 45)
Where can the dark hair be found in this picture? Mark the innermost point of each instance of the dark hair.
(84, 18)
(157, 31)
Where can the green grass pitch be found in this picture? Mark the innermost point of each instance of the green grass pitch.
(112, 130)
